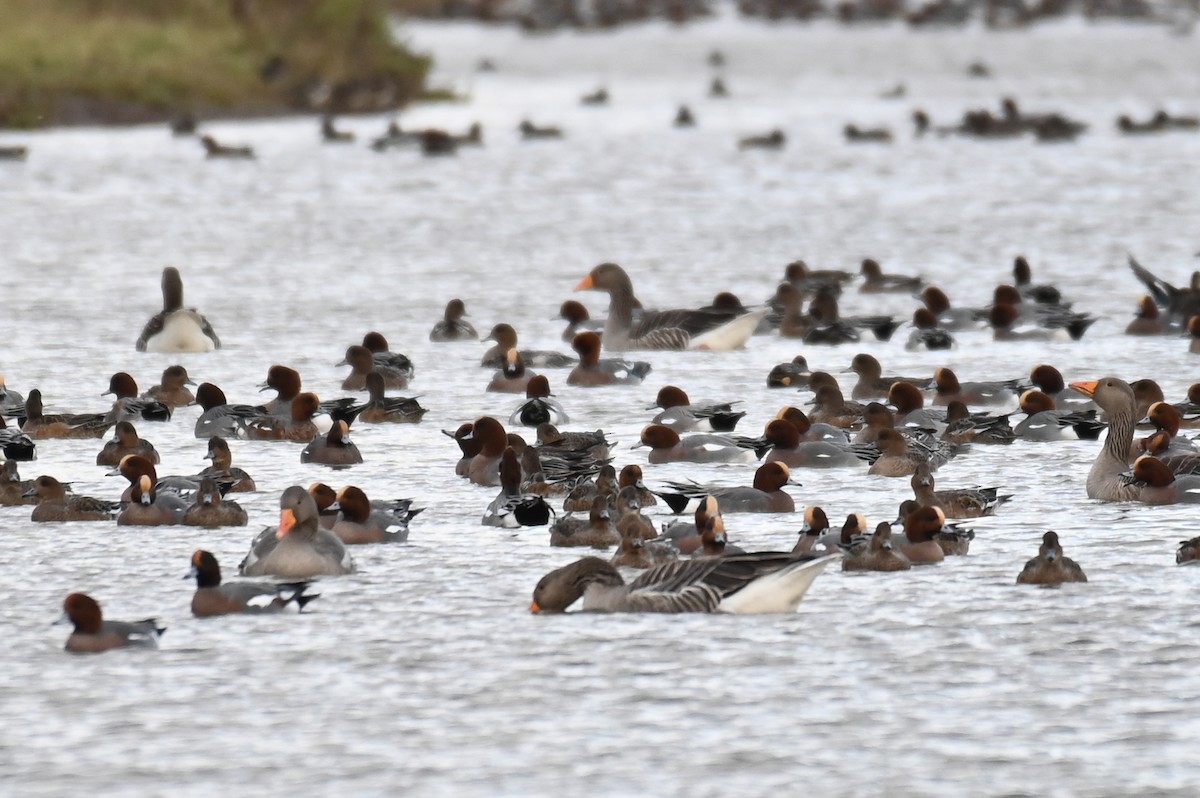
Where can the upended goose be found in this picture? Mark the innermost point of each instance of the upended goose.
(740, 583)
(176, 328)
(712, 329)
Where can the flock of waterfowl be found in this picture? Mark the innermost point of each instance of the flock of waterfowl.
(891, 426)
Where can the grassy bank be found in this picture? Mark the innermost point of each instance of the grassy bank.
(122, 61)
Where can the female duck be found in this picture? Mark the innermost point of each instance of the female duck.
(1050, 567)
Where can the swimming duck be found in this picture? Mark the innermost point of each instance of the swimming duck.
(172, 388)
(916, 541)
(380, 409)
(176, 328)
(1044, 422)
(214, 149)
(794, 373)
(286, 383)
(1050, 567)
(331, 135)
(1189, 551)
(597, 530)
(505, 338)
(513, 377)
(630, 521)
(716, 330)
(744, 583)
(604, 485)
(766, 495)
(212, 598)
(951, 318)
(685, 535)
(382, 355)
(93, 635)
(901, 456)
(1023, 280)
(512, 508)
(125, 441)
(299, 426)
(717, 88)
(963, 427)
(958, 503)
(144, 508)
(950, 389)
(359, 521)
(635, 552)
(1159, 485)
(299, 548)
(39, 426)
(211, 510)
(874, 135)
(681, 415)
(222, 467)
(876, 282)
(593, 371)
(218, 417)
(452, 327)
(926, 333)
(53, 505)
(829, 406)
(815, 534)
(789, 449)
(13, 488)
(768, 141)
(578, 319)
(877, 554)
(597, 97)
(667, 447)
(128, 406)
(872, 384)
(531, 132)
(684, 117)
(335, 449)
(362, 362)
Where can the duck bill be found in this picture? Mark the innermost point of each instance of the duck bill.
(1086, 388)
(586, 284)
(287, 520)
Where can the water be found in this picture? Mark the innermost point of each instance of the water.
(424, 673)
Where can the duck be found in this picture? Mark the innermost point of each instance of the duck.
(299, 426)
(172, 388)
(1054, 317)
(714, 330)
(767, 141)
(684, 536)
(176, 328)
(531, 132)
(335, 449)
(1189, 551)
(829, 406)
(125, 441)
(512, 508)
(218, 417)
(788, 304)
(717, 88)
(876, 282)
(94, 635)
(331, 135)
(877, 554)
(911, 412)
(872, 384)
(129, 406)
(958, 503)
(452, 327)
(916, 542)
(1049, 380)
(965, 427)
(13, 489)
(815, 535)
(358, 521)
(1008, 324)
(971, 393)
(505, 338)
(14, 152)
(635, 552)
(170, 489)
(951, 318)
(144, 509)
(53, 505)
(1023, 280)
(597, 97)
(874, 135)
(605, 485)
(1050, 567)
(597, 530)
(39, 426)
(212, 598)
(540, 406)
(799, 274)
(1159, 485)
(926, 333)
(745, 583)
(792, 374)
(9, 399)
(487, 438)
(382, 354)
(954, 540)
(211, 510)
(222, 466)
(214, 149)
(286, 383)
(766, 495)
(576, 315)
(362, 362)
(1044, 422)
(897, 458)
(299, 548)
(381, 409)
(830, 327)
(681, 415)
(513, 377)
(631, 477)
(713, 540)
(787, 448)
(667, 447)
(593, 371)
(590, 445)
(630, 521)
(684, 117)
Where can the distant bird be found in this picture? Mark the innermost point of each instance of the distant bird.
(771, 141)
(215, 150)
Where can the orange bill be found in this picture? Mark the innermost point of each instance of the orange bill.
(287, 520)
(1086, 388)
(533, 607)
(586, 284)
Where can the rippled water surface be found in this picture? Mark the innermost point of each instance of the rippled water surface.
(424, 673)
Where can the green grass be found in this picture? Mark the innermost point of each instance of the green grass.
(122, 60)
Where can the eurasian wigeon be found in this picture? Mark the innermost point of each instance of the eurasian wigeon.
(1147, 320)
(39, 426)
(793, 374)
(144, 509)
(605, 486)
(963, 426)
(631, 477)
(593, 371)
(9, 399)
(13, 488)
(684, 117)
(299, 548)
(335, 449)
(513, 377)
(172, 388)
(876, 282)
(681, 415)
(957, 503)
(452, 327)
(713, 540)
(93, 635)
(576, 315)
(128, 406)
(54, 505)
(1050, 567)
(176, 328)
(382, 354)
(871, 135)
(775, 140)
(877, 554)
(212, 598)
(917, 542)
(766, 495)
(218, 417)
(540, 406)
(926, 333)
(971, 393)
(1189, 551)
(1050, 381)
(667, 447)
(358, 521)
(911, 411)
(897, 459)
(787, 448)
(285, 381)
(222, 467)
(170, 489)
(362, 362)
(951, 318)
(298, 426)
(872, 384)
(815, 534)
(596, 530)
(211, 510)
(214, 149)
(685, 535)
(550, 439)
(531, 132)
(745, 583)
(125, 441)
(512, 508)
(634, 552)
(1193, 329)
(630, 521)
(505, 338)
(1160, 485)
